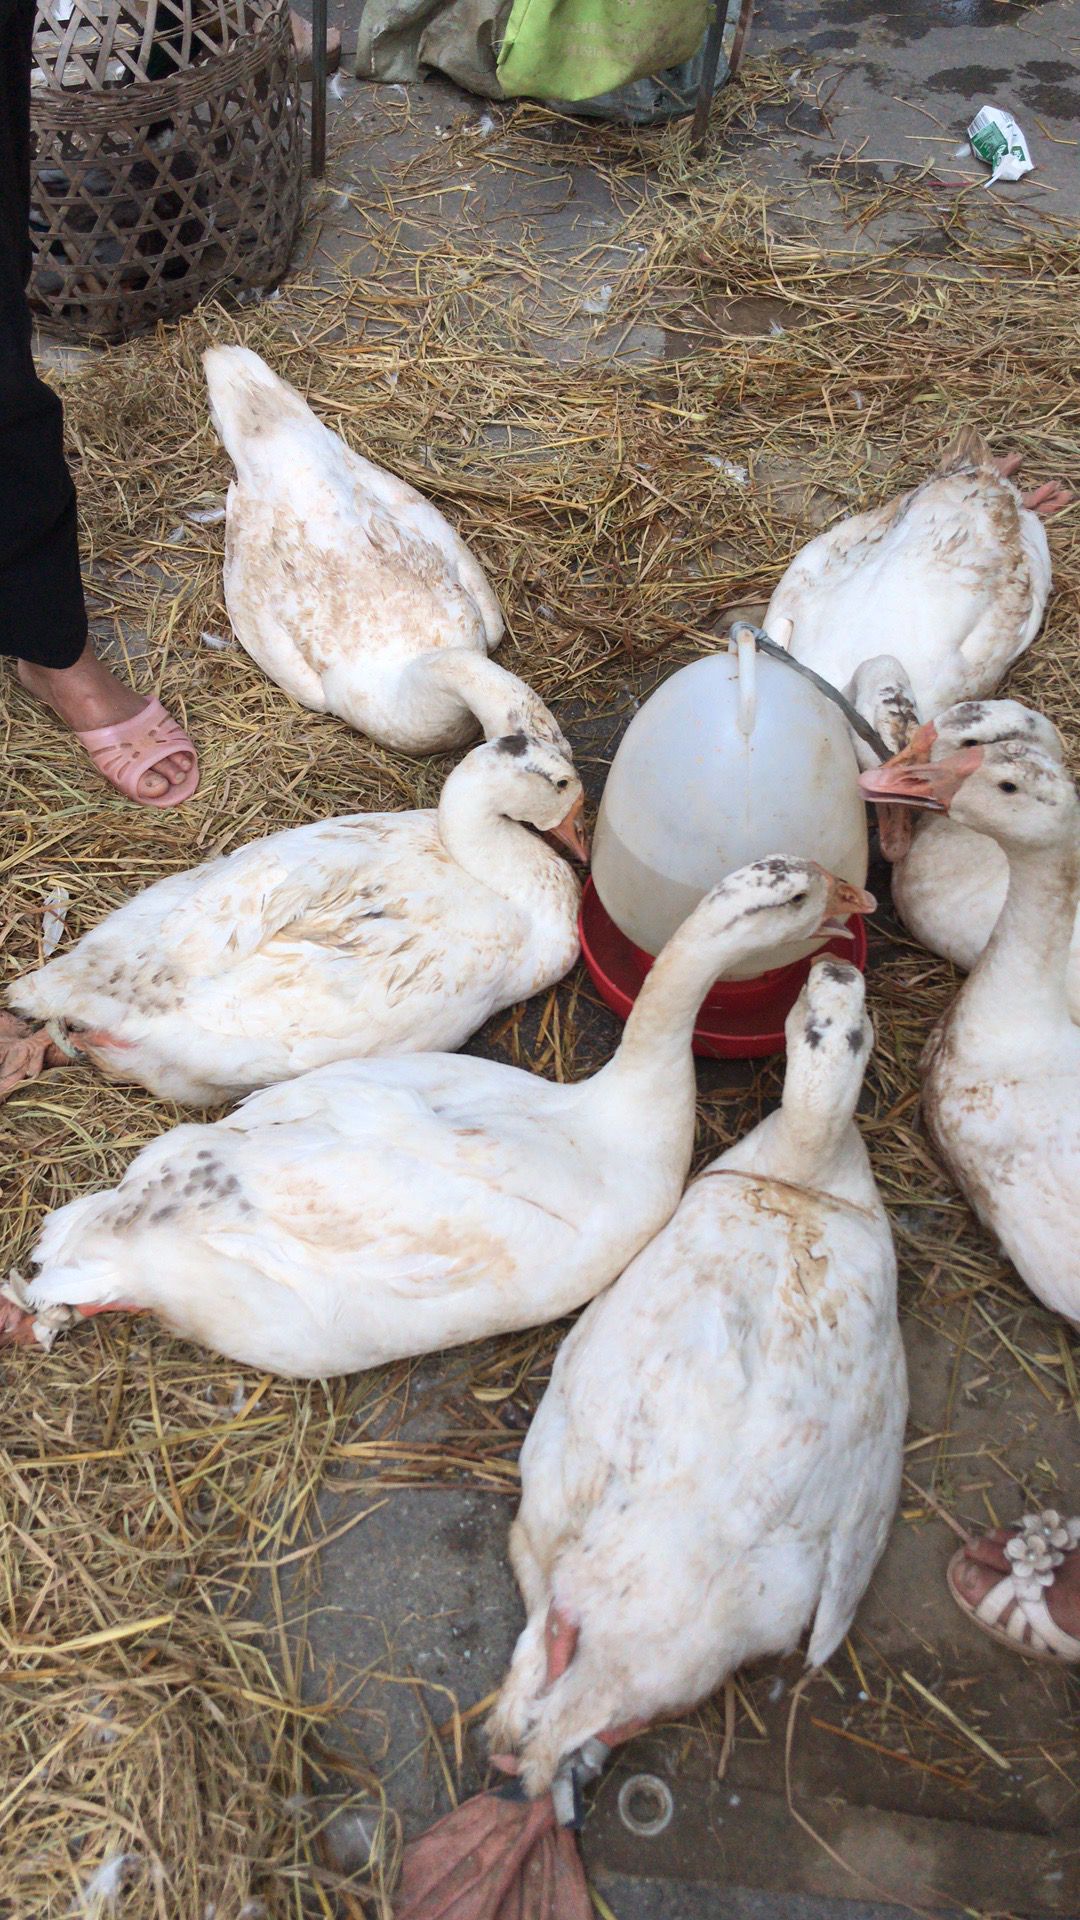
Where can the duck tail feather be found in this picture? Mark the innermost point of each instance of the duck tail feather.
(967, 448)
(87, 1284)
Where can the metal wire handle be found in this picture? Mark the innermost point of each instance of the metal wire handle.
(851, 714)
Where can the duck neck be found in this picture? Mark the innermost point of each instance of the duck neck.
(1025, 964)
(501, 853)
(654, 1065)
(479, 686)
(813, 1131)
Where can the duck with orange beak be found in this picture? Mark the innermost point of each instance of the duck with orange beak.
(712, 1471)
(370, 933)
(948, 882)
(965, 549)
(1001, 1074)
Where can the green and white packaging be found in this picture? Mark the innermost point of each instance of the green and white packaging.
(996, 138)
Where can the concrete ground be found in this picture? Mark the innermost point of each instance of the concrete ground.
(901, 81)
(419, 1599)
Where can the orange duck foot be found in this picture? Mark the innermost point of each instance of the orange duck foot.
(1048, 499)
(24, 1053)
(16, 1326)
(497, 1857)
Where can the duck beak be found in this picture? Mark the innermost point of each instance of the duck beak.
(841, 902)
(571, 833)
(932, 787)
(896, 824)
(896, 830)
(918, 747)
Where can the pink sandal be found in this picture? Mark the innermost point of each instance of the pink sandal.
(124, 752)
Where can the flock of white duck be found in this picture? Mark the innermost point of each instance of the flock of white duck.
(714, 1467)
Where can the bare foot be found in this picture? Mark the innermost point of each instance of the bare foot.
(87, 695)
(1007, 464)
(1050, 498)
(985, 1561)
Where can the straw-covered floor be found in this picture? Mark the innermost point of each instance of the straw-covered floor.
(148, 1489)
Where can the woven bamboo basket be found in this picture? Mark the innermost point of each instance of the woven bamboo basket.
(167, 157)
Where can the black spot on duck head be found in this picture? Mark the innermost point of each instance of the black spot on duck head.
(515, 744)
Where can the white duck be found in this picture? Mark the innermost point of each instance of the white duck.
(948, 883)
(952, 578)
(380, 1208)
(880, 691)
(1001, 1074)
(715, 1464)
(347, 587)
(372, 933)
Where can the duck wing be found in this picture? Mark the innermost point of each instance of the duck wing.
(1013, 1146)
(727, 1349)
(329, 560)
(420, 530)
(210, 919)
(952, 578)
(338, 1221)
(323, 885)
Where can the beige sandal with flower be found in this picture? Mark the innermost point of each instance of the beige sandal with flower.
(1014, 1611)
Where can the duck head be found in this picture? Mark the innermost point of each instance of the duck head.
(881, 692)
(1010, 789)
(957, 730)
(829, 1037)
(533, 782)
(780, 900)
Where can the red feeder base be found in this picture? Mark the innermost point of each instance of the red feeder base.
(740, 1019)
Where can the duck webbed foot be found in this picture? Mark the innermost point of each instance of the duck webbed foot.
(1050, 498)
(16, 1325)
(496, 1857)
(25, 1052)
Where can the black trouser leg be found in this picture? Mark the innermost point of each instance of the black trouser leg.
(42, 613)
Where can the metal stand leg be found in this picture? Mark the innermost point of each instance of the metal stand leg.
(318, 89)
(742, 28)
(707, 84)
(711, 61)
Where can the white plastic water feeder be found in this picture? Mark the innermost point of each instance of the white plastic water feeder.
(734, 757)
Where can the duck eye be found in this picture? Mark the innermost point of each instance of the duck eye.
(797, 899)
(1008, 786)
(562, 785)
(969, 743)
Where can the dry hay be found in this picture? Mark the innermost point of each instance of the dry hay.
(150, 1710)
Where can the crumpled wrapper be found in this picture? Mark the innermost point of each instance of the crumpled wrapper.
(996, 138)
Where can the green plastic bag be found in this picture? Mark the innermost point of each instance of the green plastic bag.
(576, 49)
